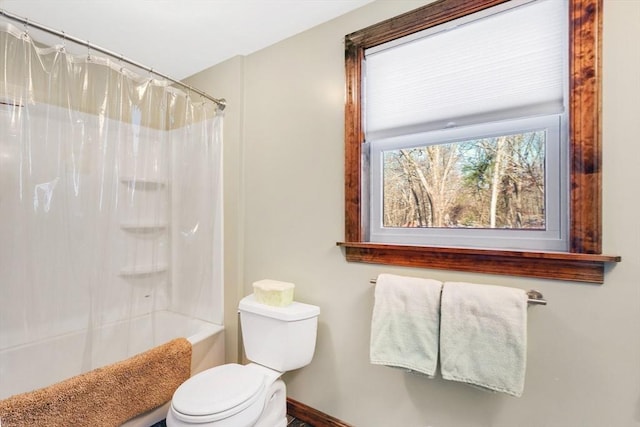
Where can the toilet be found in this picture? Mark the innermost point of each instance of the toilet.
(276, 340)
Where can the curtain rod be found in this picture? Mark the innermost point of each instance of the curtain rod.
(221, 102)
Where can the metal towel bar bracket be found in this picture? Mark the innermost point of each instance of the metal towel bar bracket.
(534, 297)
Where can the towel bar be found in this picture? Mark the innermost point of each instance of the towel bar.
(535, 297)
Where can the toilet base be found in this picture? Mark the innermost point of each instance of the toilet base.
(274, 413)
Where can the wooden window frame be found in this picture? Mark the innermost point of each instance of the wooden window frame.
(584, 261)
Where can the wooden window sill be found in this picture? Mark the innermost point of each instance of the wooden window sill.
(545, 265)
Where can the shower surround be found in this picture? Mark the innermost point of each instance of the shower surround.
(110, 214)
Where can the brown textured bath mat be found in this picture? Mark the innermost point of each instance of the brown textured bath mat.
(104, 397)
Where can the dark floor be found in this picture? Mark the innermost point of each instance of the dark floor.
(291, 422)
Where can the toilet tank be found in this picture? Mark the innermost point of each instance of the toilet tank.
(280, 338)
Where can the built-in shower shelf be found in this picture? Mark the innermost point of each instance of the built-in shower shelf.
(143, 227)
(143, 183)
(142, 270)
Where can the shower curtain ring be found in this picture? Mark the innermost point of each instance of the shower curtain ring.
(64, 41)
(88, 51)
(26, 27)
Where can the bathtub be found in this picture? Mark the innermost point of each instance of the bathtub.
(22, 368)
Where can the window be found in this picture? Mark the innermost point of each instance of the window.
(471, 187)
(446, 110)
(392, 140)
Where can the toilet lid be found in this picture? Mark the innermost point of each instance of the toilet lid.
(224, 389)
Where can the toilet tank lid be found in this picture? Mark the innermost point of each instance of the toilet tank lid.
(290, 313)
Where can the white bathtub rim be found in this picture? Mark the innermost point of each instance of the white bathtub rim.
(194, 330)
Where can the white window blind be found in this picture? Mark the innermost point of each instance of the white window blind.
(506, 65)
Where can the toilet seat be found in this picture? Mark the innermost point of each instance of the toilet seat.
(218, 393)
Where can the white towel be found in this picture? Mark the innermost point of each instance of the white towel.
(483, 336)
(405, 323)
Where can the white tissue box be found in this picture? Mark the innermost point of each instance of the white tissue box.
(273, 292)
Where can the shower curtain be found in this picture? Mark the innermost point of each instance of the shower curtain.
(110, 200)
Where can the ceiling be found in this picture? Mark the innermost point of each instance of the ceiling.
(180, 37)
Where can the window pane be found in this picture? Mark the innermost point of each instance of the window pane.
(495, 182)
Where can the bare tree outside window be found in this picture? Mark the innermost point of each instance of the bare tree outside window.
(495, 182)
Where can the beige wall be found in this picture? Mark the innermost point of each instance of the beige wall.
(284, 212)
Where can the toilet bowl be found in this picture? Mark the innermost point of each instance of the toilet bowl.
(276, 340)
(230, 395)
